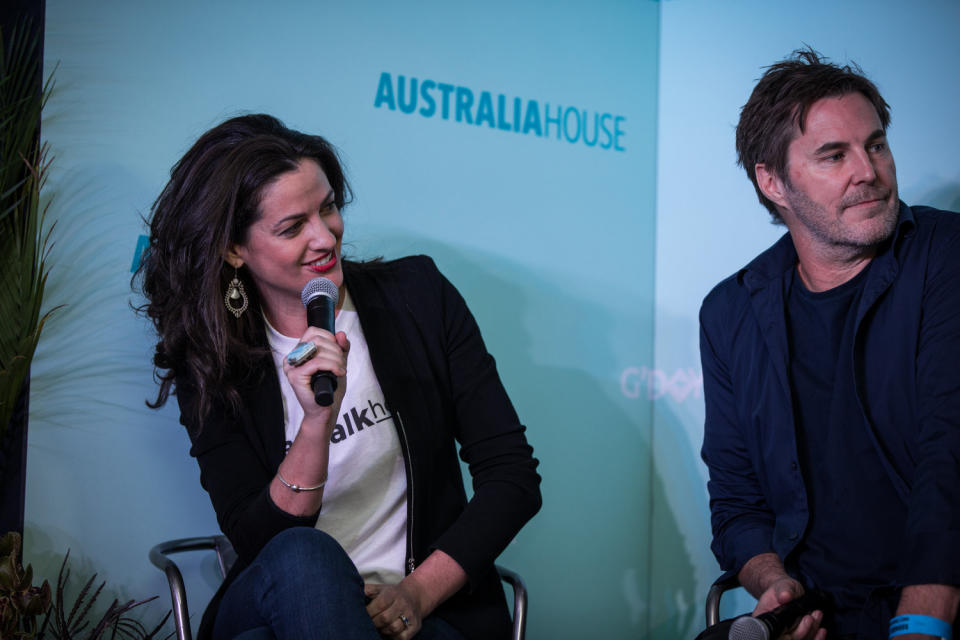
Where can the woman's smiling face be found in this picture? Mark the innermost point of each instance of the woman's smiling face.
(296, 238)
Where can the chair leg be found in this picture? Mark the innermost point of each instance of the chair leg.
(519, 601)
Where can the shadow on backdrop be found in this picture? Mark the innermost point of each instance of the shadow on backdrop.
(590, 544)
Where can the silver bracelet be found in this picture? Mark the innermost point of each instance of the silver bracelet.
(297, 488)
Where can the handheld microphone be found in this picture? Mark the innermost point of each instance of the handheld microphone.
(773, 624)
(320, 297)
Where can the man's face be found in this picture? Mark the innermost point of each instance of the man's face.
(840, 191)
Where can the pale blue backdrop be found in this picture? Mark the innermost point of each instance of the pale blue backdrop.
(585, 265)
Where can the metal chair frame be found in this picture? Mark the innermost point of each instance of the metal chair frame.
(717, 589)
(159, 556)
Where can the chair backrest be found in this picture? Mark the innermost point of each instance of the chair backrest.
(159, 556)
(226, 556)
(717, 589)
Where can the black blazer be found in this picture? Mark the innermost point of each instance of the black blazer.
(443, 388)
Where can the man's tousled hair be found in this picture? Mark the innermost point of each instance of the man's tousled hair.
(777, 109)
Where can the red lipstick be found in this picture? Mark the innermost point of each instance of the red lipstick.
(324, 267)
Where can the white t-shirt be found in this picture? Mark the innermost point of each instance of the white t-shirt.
(365, 498)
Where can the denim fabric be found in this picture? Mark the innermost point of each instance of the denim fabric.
(433, 629)
(301, 585)
(302, 565)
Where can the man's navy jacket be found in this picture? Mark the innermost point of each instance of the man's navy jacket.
(907, 375)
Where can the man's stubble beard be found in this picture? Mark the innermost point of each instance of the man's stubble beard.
(829, 228)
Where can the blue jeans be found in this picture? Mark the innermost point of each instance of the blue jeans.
(303, 585)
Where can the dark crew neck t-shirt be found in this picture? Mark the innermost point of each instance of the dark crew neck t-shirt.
(853, 506)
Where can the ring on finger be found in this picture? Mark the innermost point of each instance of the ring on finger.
(405, 620)
(301, 353)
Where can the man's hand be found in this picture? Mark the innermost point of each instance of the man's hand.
(781, 592)
(766, 579)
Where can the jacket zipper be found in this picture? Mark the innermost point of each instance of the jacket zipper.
(405, 448)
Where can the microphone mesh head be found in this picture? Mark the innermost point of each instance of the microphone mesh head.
(748, 628)
(319, 286)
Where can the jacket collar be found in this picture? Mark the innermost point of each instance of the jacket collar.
(764, 280)
(773, 263)
(886, 265)
(769, 265)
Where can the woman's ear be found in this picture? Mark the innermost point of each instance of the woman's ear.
(233, 258)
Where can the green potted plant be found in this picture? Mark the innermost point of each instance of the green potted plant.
(24, 243)
(29, 612)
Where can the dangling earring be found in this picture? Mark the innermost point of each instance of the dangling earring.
(236, 297)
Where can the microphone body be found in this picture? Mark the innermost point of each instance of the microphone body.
(320, 297)
(772, 624)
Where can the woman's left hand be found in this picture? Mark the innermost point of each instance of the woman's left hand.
(395, 609)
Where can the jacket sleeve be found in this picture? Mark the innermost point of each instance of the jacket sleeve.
(237, 476)
(741, 518)
(506, 486)
(932, 542)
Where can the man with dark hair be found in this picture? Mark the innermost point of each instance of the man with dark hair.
(831, 367)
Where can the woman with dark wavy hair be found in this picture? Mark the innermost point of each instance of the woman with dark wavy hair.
(349, 520)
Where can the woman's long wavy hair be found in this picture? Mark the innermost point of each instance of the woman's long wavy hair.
(208, 206)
